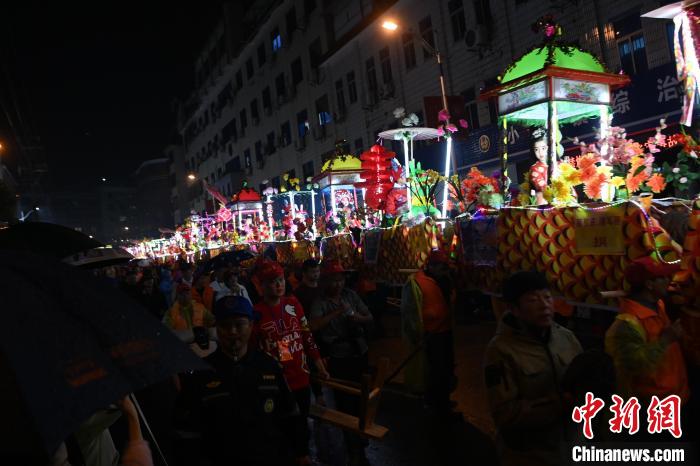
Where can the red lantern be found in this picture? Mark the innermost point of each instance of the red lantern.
(377, 176)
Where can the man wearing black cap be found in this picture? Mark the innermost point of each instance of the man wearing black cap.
(244, 406)
(524, 367)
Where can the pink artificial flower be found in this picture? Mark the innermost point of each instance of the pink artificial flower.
(549, 30)
(463, 123)
(440, 132)
(451, 128)
(443, 115)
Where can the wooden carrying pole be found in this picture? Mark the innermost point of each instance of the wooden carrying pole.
(369, 392)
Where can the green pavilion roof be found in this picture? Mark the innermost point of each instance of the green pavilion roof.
(552, 55)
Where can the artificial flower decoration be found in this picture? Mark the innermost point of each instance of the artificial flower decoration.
(656, 183)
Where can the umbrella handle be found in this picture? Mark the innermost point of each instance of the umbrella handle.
(148, 428)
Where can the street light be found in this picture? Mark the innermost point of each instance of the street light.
(126, 228)
(391, 25)
(24, 216)
(191, 177)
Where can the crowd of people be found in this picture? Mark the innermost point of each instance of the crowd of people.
(281, 332)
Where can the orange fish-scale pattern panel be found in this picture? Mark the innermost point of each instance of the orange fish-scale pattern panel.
(544, 240)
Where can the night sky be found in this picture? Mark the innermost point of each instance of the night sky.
(95, 83)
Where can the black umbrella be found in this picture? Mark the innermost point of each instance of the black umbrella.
(46, 239)
(228, 257)
(69, 346)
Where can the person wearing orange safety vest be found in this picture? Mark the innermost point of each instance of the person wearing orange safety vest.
(185, 313)
(642, 340)
(426, 314)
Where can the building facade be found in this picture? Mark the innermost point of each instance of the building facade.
(280, 84)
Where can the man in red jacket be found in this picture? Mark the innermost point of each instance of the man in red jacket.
(283, 332)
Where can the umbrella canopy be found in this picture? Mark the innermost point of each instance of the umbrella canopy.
(46, 239)
(233, 257)
(69, 346)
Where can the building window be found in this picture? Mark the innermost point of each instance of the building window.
(409, 50)
(259, 153)
(267, 100)
(633, 56)
(270, 145)
(249, 68)
(276, 39)
(315, 53)
(247, 159)
(340, 95)
(456, 9)
(425, 27)
(261, 55)
(482, 12)
(309, 7)
(352, 87)
(358, 146)
(254, 111)
(280, 88)
(244, 120)
(285, 133)
(307, 170)
(291, 23)
(302, 124)
(297, 72)
(385, 61)
(323, 111)
(371, 79)
(239, 80)
(471, 108)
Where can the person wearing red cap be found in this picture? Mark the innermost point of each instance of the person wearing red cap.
(185, 313)
(426, 303)
(283, 332)
(340, 317)
(642, 341)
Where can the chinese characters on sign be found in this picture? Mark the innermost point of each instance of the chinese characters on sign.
(662, 415)
(599, 232)
(621, 102)
(669, 89)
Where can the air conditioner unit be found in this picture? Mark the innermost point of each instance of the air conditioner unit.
(300, 144)
(478, 36)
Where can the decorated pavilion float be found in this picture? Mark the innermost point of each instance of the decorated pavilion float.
(291, 210)
(597, 211)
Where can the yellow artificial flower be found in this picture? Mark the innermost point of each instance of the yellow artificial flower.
(617, 181)
(569, 173)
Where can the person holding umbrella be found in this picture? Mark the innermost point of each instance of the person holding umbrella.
(185, 313)
(283, 332)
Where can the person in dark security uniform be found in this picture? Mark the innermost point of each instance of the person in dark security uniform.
(243, 407)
